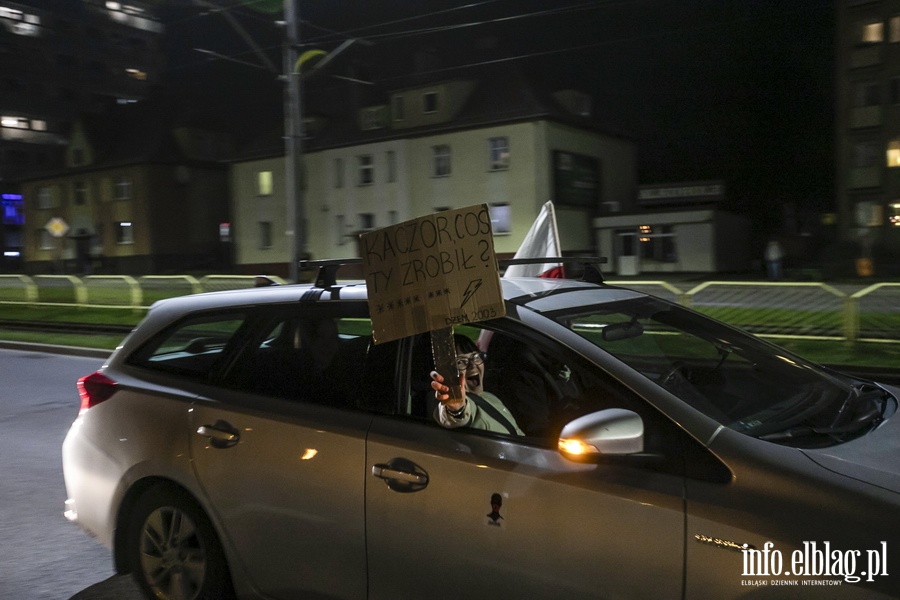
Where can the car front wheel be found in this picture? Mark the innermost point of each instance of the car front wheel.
(173, 549)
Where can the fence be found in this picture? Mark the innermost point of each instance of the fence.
(803, 310)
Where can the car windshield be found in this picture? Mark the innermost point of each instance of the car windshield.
(745, 383)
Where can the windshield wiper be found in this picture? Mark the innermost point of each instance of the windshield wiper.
(870, 417)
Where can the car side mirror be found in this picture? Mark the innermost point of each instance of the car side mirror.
(610, 432)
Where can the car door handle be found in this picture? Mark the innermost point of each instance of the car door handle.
(221, 434)
(401, 475)
(384, 472)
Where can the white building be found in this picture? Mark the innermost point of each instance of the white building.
(493, 139)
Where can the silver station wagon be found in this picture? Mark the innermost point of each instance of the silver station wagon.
(258, 444)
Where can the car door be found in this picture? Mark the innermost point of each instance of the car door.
(470, 514)
(281, 462)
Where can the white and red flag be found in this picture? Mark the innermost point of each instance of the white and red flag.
(542, 240)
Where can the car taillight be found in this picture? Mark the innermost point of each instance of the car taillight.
(94, 389)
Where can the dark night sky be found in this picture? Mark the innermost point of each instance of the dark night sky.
(740, 91)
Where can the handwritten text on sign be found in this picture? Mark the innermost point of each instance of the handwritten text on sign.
(432, 272)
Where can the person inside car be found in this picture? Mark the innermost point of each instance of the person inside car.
(478, 409)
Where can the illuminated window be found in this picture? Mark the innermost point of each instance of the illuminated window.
(122, 189)
(429, 102)
(893, 154)
(657, 243)
(894, 214)
(365, 169)
(124, 232)
(441, 156)
(264, 183)
(498, 153)
(136, 74)
(872, 33)
(501, 218)
(38, 125)
(894, 29)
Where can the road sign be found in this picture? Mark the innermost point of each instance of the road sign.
(57, 227)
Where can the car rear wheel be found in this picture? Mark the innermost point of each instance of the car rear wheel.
(173, 549)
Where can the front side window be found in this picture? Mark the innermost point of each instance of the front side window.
(338, 172)
(735, 378)
(441, 160)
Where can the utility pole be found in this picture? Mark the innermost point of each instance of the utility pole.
(293, 117)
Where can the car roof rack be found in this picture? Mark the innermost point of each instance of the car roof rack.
(328, 268)
(591, 273)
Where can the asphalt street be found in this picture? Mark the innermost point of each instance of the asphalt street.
(44, 556)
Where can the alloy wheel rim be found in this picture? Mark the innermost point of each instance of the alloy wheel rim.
(173, 558)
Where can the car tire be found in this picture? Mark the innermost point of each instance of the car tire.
(173, 550)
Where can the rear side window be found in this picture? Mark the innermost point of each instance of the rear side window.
(311, 356)
(192, 347)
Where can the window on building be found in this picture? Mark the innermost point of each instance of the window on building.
(122, 188)
(441, 154)
(391, 158)
(366, 221)
(46, 241)
(866, 93)
(894, 214)
(429, 102)
(339, 172)
(866, 154)
(501, 218)
(365, 169)
(398, 108)
(871, 32)
(894, 29)
(893, 153)
(657, 243)
(895, 90)
(124, 232)
(340, 222)
(265, 235)
(393, 217)
(498, 153)
(264, 183)
(45, 198)
(80, 193)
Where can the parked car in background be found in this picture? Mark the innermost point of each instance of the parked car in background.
(257, 443)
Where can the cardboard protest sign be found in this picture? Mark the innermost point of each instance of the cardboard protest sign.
(432, 272)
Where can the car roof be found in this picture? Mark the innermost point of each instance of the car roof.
(538, 294)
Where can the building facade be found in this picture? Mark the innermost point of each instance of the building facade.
(868, 122)
(434, 147)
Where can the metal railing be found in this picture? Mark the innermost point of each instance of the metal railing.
(802, 310)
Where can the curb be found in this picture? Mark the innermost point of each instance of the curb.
(51, 349)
